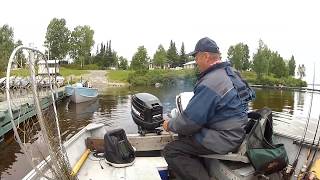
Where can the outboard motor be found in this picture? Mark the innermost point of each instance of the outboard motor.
(147, 113)
(118, 150)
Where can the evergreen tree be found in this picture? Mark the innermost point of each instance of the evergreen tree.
(140, 59)
(160, 57)
(292, 66)
(183, 57)
(173, 58)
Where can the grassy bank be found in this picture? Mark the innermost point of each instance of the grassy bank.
(251, 77)
(65, 72)
(118, 75)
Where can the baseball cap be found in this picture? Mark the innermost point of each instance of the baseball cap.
(205, 45)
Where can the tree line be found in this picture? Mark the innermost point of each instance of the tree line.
(265, 62)
(77, 44)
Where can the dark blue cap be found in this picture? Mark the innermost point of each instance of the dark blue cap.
(205, 45)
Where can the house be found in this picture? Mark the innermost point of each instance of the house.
(189, 65)
(53, 66)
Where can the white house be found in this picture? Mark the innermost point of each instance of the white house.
(53, 66)
(189, 65)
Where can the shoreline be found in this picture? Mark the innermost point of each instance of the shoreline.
(285, 88)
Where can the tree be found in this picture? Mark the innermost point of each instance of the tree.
(277, 65)
(20, 58)
(160, 57)
(57, 39)
(140, 59)
(6, 45)
(301, 71)
(173, 58)
(183, 57)
(81, 44)
(123, 63)
(261, 60)
(239, 56)
(292, 66)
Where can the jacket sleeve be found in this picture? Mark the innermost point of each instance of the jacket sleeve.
(197, 112)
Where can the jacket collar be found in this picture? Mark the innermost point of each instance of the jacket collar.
(213, 68)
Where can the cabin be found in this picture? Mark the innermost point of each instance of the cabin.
(189, 65)
(53, 66)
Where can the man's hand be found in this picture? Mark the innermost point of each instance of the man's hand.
(165, 125)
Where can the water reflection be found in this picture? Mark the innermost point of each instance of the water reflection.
(112, 107)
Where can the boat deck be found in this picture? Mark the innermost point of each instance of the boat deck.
(144, 168)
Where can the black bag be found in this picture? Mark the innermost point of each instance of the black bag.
(265, 156)
(118, 149)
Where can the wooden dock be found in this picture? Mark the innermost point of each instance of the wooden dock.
(23, 110)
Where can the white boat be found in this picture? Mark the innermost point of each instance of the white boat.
(83, 94)
(227, 167)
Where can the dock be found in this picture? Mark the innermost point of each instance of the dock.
(23, 110)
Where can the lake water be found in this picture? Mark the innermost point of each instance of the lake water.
(290, 110)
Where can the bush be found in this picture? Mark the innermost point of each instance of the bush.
(165, 77)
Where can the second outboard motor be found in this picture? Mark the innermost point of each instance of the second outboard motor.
(147, 113)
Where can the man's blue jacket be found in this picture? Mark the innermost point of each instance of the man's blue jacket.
(217, 113)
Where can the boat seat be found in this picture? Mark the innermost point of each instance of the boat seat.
(240, 155)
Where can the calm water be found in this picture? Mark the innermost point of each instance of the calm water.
(112, 108)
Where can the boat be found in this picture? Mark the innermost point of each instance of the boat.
(68, 90)
(83, 94)
(149, 164)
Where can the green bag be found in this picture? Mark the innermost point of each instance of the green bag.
(268, 158)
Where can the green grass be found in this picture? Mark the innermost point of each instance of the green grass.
(118, 75)
(76, 72)
(20, 72)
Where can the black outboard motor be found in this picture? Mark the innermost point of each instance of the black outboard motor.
(147, 113)
(118, 150)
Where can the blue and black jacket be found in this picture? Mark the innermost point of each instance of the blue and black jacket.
(217, 113)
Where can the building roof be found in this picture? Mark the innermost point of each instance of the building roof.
(189, 63)
(49, 61)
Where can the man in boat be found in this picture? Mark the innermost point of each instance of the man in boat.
(215, 117)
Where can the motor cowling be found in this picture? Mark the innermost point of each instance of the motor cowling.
(147, 112)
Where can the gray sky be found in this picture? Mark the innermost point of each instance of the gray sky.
(287, 26)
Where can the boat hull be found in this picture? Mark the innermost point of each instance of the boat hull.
(68, 90)
(83, 94)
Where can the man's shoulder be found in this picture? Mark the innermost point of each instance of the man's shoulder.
(217, 81)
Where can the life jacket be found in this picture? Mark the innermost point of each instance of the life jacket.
(245, 93)
(118, 150)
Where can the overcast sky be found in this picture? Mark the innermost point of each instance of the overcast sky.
(287, 26)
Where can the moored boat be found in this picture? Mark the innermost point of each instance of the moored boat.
(83, 94)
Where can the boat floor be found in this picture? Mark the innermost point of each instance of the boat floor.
(143, 168)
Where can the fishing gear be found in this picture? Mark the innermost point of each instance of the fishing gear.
(308, 167)
(289, 170)
(305, 167)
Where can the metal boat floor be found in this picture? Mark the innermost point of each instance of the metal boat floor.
(145, 168)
